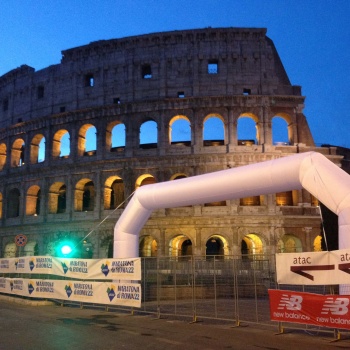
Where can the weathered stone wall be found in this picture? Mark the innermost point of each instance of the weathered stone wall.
(129, 81)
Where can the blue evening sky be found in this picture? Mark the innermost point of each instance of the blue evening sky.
(312, 38)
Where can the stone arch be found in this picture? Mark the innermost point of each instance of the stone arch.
(286, 198)
(84, 196)
(145, 179)
(33, 200)
(178, 176)
(10, 250)
(213, 121)
(87, 142)
(114, 193)
(115, 136)
(247, 133)
(216, 245)
(31, 249)
(57, 198)
(180, 245)
(149, 134)
(17, 153)
(251, 201)
(148, 246)
(289, 243)
(13, 203)
(37, 149)
(282, 129)
(252, 244)
(61, 144)
(180, 125)
(3, 155)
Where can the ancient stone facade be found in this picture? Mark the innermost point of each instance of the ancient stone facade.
(59, 180)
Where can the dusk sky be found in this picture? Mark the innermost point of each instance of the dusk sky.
(312, 38)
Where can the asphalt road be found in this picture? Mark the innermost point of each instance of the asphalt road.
(29, 327)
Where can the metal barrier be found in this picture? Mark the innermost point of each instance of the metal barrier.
(227, 288)
(214, 287)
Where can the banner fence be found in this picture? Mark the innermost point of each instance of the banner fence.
(100, 281)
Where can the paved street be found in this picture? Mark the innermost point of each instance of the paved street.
(29, 327)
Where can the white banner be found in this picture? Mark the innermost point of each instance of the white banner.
(109, 293)
(314, 268)
(87, 269)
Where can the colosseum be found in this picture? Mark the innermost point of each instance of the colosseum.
(79, 137)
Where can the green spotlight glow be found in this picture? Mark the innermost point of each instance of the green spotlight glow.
(66, 249)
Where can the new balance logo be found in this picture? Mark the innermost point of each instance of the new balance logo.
(339, 306)
(292, 302)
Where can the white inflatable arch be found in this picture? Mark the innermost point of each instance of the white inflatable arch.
(311, 170)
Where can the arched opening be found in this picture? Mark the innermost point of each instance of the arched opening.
(213, 131)
(114, 196)
(13, 203)
(216, 246)
(148, 246)
(251, 246)
(17, 153)
(31, 249)
(247, 130)
(115, 137)
(149, 135)
(180, 245)
(289, 244)
(37, 149)
(180, 131)
(61, 144)
(87, 140)
(284, 198)
(84, 199)
(250, 201)
(178, 176)
(280, 130)
(10, 250)
(57, 198)
(144, 180)
(3, 156)
(33, 200)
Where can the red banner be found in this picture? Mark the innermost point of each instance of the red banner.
(321, 310)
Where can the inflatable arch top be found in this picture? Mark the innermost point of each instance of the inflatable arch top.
(311, 170)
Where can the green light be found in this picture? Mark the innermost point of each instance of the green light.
(66, 249)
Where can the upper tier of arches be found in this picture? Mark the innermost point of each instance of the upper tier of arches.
(125, 137)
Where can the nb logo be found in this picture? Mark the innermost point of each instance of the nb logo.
(339, 306)
(292, 302)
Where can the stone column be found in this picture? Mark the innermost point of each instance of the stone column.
(31, 201)
(78, 200)
(161, 244)
(197, 131)
(162, 136)
(106, 197)
(198, 251)
(231, 129)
